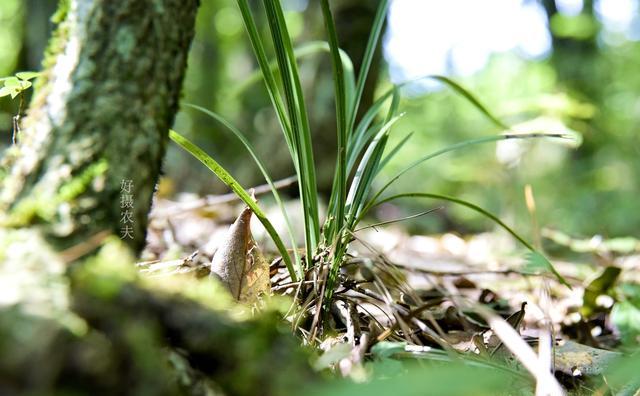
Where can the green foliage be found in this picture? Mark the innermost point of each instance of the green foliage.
(293, 119)
(361, 145)
(581, 189)
(14, 86)
(61, 12)
(602, 285)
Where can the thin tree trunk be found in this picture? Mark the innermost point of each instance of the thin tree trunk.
(574, 59)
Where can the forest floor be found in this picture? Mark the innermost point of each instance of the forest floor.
(417, 294)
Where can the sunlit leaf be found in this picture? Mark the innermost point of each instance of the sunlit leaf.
(12, 82)
(537, 263)
(262, 168)
(27, 75)
(4, 91)
(602, 285)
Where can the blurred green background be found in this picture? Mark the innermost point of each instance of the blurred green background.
(571, 66)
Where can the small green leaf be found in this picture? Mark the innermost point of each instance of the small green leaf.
(11, 82)
(4, 91)
(28, 75)
(602, 285)
(25, 85)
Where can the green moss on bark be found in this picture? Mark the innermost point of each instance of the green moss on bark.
(109, 92)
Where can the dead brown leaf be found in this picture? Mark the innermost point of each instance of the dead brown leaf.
(239, 264)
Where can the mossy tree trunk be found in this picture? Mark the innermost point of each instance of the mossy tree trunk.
(100, 116)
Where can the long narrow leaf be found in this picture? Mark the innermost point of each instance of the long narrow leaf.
(471, 98)
(339, 191)
(227, 179)
(487, 214)
(360, 137)
(461, 145)
(365, 173)
(264, 172)
(355, 200)
(263, 62)
(372, 44)
(304, 50)
(299, 121)
(394, 151)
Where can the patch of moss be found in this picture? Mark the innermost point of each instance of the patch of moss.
(61, 12)
(56, 42)
(39, 208)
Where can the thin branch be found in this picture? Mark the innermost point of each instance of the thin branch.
(212, 200)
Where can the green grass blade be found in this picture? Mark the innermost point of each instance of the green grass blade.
(227, 179)
(269, 78)
(356, 142)
(366, 172)
(264, 172)
(360, 186)
(472, 99)
(304, 50)
(364, 134)
(485, 213)
(369, 164)
(458, 146)
(394, 151)
(475, 102)
(372, 43)
(299, 121)
(339, 191)
(356, 149)
(359, 138)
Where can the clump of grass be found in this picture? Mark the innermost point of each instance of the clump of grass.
(360, 152)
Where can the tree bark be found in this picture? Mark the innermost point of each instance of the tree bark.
(574, 59)
(100, 115)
